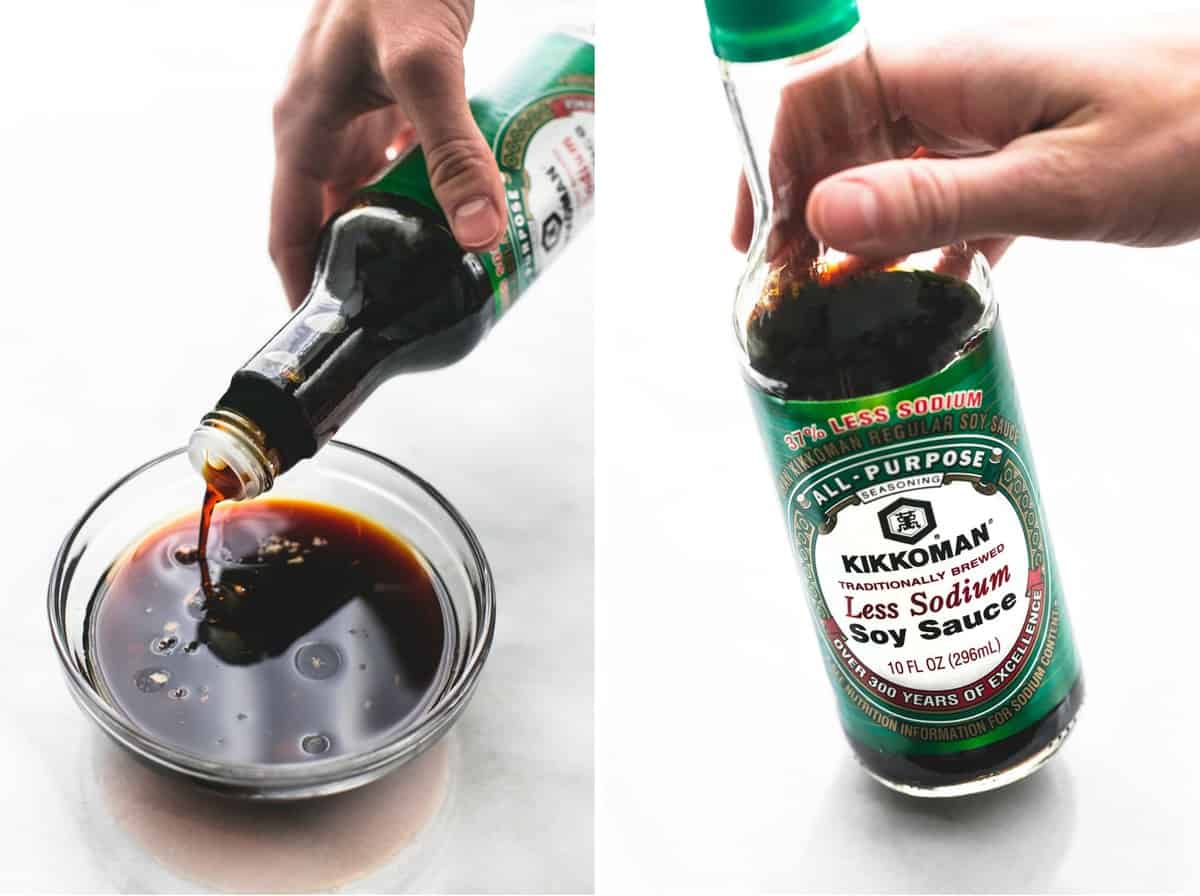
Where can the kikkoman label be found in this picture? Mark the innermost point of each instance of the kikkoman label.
(547, 155)
(539, 121)
(916, 521)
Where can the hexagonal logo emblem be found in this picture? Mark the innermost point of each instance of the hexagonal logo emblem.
(907, 520)
(551, 231)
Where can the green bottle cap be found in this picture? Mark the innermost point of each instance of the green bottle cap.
(758, 30)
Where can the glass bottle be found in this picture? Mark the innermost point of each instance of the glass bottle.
(884, 395)
(393, 292)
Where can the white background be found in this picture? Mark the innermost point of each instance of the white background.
(136, 153)
(721, 763)
(136, 150)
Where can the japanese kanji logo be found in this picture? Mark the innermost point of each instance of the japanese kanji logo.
(907, 520)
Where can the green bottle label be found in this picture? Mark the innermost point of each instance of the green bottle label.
(916, 520)
(539, 122)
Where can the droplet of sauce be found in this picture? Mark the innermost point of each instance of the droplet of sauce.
(318, 661)
(195, 606)
(315, 744)
(150, 680)
(187, 554)
(164, 646)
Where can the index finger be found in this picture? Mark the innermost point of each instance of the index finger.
(296, 217)
(968, 93)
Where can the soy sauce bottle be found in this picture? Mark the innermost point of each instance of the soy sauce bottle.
(884, 395)
(393, 292)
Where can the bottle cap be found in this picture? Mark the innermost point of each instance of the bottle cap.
(759, 30)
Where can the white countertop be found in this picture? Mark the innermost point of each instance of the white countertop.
(134, 233)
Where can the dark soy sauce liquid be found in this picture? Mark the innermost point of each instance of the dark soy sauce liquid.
(848, 336)
(319, 635)
(856, 333)
(212, 498)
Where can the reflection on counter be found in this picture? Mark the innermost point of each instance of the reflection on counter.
(1012, 840)
(157, 833)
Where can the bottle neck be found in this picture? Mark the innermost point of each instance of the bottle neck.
(231, 453)
(800, 120)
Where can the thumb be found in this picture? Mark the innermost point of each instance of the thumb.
(427, 82)
(1032, 187)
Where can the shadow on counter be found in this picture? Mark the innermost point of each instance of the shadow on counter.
(872, 839)
(156, 833)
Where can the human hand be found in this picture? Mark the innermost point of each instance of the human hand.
(369, 76)
(1027, 129)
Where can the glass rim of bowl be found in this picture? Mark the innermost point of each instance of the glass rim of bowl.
(289, 780)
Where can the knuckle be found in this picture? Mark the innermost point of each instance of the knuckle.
(455, 161)
(283, 111)
(304, 84)
(420, 59)
(1065, 176)
(936, 204)
(292, 110)
(458, 15)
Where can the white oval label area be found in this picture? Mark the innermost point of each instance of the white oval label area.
(930, 587)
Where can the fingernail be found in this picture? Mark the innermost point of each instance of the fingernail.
(476, 222)
(846, 212)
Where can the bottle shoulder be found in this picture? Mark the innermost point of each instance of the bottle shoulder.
(845, 328)
(386, 257)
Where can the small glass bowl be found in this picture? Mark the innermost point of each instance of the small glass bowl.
(342, 475)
